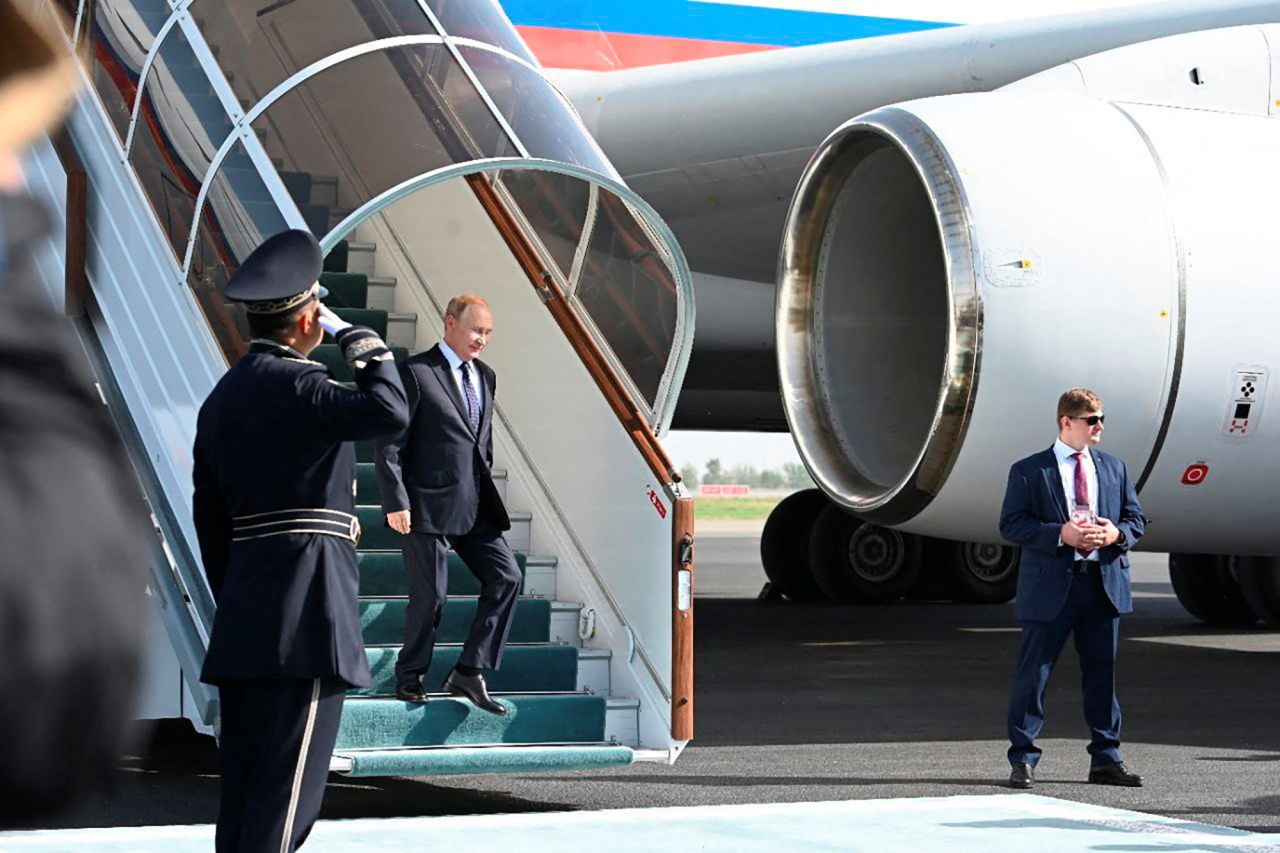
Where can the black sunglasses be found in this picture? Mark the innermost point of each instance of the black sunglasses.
(1091, 420)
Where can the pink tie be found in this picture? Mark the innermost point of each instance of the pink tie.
(1082, 493)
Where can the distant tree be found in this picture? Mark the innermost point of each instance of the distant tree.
(744, 475)
(689, 472)
(772, 479)
(797, 476)
(715, 473)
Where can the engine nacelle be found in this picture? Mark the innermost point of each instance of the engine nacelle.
(952, 264)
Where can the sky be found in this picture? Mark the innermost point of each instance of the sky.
(761, 449)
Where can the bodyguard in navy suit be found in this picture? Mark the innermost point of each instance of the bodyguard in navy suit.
(275, 515)
(1074, 512)
(437, 490)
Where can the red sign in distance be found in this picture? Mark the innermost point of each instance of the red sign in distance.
(1195, 474)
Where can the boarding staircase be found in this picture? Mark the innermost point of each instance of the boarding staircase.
(597, 671)
(561, 711)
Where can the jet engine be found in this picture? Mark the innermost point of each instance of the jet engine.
(951, 265)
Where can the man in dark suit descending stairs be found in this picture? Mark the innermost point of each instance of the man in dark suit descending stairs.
(438, 492)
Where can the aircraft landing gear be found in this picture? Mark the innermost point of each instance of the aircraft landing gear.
(1260, 583)
(784, 545)
(859, 563)
(975, 573)
(1207, 585)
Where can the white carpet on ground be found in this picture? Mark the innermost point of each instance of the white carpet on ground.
(977, 823)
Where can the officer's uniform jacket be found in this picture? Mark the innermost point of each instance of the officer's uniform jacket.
(275, 508)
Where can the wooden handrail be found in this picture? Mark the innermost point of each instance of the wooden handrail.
(633, 421)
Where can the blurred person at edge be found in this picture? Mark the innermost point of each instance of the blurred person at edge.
(72, 565)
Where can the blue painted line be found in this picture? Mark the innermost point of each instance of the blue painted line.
(706, 21)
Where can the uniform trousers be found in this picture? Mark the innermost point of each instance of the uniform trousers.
(1091, 618)
(426, 561)
(276, 740)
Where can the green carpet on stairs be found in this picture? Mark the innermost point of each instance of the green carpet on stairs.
(489, 759)
(346, 289)
(382, 573)
(382, 620)
(336, 260)
(525, 669)
(386, 723)
(371, 317)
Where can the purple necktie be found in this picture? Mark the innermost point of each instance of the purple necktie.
(1082, 492)
(473, 405)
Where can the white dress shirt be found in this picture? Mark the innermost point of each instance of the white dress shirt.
(1067, 472)
(455, 367)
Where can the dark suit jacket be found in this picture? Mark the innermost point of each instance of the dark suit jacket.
(438, 468)
(1035, 508)
(275, 434)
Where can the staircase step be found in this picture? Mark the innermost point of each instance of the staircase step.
(593, 672)
(402, 329)
(382, 723)
(382, 291)
(324, 189)
(360, 258)
(382, 620)
(484, 759)
(376, 320)
(382, 574)
(376, 536)
(367, 480)
(540, 668)
(339, 258)
(346, 289)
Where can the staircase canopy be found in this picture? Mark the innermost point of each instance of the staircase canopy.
(234, 112)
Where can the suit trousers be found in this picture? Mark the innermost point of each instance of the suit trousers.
(274, 749)
(1091, 617)
(488, 556)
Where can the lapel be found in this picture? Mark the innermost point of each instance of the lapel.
(1105, 486)
(486, 413)
(440, 367)
(1053, 481)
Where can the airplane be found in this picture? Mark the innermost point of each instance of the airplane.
(423, 145)
(730, 117)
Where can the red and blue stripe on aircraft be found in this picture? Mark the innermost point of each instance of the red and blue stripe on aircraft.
(604, 35)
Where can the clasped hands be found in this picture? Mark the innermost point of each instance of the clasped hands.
(1091, 537)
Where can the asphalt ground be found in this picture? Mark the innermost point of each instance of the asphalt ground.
(824, 702)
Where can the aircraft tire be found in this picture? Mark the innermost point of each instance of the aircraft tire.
(784, 545)
(859, 563)
(975, 573)
(1260, 582)
(1207, 587)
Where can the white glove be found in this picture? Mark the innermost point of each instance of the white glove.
(331, 322)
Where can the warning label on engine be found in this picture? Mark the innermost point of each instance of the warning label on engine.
(1244, 403)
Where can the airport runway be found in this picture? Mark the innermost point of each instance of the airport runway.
(823, 703)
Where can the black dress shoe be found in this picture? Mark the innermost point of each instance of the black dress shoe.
(1115, 774)
(472, 687)
(1023, 776)
(411, 693)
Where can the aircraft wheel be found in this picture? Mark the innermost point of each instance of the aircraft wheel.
(1260, 582)
(784, 545)
(976, 573)
(1207, 587)
(859, 563)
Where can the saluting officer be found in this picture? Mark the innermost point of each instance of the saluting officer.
(275, 514)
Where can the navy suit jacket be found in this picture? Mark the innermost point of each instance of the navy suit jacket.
(439, 468)
(1034, 510)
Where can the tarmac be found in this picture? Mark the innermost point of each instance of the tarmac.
(833, 704)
